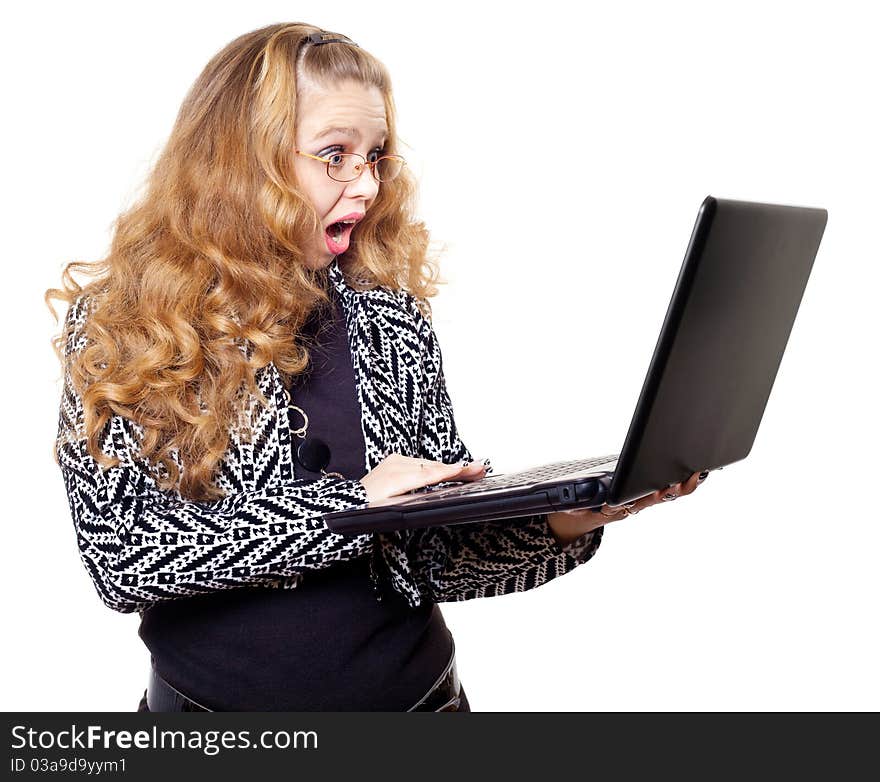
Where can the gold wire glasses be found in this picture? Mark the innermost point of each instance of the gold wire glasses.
(348, 166)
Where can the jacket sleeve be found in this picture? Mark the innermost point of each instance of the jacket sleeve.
(141, 545)
(484, 559)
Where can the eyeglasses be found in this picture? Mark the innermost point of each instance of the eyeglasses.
(348, 166)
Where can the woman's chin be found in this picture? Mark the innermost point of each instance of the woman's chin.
(322, 261)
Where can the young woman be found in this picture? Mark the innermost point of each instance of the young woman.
(255, 351)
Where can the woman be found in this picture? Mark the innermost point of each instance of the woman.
(256, 351)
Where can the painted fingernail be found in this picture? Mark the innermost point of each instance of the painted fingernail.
(669, 497)
(703, 476)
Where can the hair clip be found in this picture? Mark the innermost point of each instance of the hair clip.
(318, 38)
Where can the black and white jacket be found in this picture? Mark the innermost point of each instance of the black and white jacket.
(141, 545)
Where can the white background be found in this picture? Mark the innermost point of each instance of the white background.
(563, 150)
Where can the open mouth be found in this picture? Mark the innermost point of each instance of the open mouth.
(338, 235)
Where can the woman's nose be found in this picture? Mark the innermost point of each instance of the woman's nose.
(365, 186)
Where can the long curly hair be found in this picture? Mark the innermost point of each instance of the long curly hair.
(211, 257)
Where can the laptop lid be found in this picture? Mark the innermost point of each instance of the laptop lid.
(722, 340)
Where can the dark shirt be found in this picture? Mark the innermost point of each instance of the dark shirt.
(328, 644)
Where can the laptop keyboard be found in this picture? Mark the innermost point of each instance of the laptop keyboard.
(540, 474)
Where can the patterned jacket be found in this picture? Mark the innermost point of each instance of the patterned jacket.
(141, 545)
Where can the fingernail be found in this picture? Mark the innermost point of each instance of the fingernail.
(703, 476)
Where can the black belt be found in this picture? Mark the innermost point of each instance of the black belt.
(444, 695)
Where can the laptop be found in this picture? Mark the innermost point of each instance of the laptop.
(732, 310)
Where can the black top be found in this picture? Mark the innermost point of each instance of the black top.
(328, 644)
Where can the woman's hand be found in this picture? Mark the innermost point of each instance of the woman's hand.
(568, 525)
(397, 474)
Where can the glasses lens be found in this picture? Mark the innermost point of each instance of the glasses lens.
(388, 167)
(344, 166)
(347, 166)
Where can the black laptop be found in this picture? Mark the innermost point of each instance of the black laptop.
(720, 347)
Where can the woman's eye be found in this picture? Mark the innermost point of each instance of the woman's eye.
(335, 157)
(332, 156)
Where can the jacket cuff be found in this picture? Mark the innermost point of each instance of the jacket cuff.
(355, 489)
(582, 548)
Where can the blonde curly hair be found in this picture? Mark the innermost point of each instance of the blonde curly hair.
(211, 257)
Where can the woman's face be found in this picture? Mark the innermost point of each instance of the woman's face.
(347, 118)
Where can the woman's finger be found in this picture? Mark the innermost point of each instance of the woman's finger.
(473, 472)
(634, 507)
(430, 466)
(691, 484)
(669, 494)
(453, 472)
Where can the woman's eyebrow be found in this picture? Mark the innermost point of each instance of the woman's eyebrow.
(353, 132)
